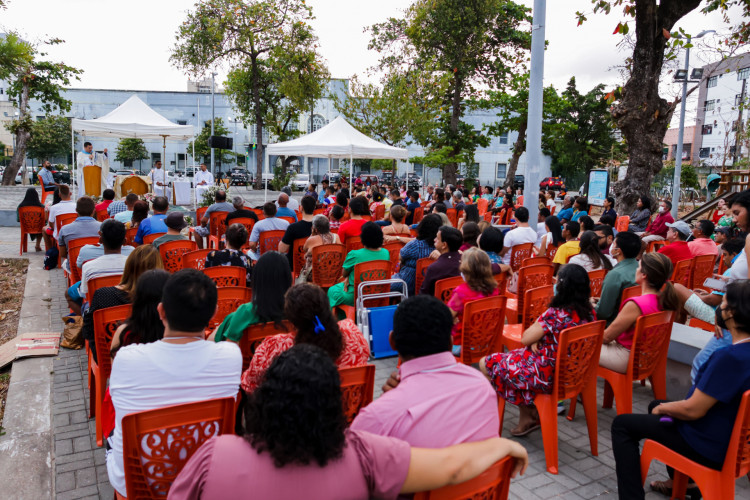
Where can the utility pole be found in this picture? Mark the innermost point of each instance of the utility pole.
(213, 109)
(534, 130)
(680, 136)
(737, 143)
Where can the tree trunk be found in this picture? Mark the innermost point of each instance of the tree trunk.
(22, 138)
(641, 114)
(519, 147)
(258, 126)
(451, 169)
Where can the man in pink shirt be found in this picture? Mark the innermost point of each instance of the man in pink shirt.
(436, 401)
(657, 229)
(702, 243)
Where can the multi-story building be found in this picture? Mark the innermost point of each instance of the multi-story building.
(719, 112)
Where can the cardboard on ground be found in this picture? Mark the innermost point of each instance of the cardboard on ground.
(30, 344)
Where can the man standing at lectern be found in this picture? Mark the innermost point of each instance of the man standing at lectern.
(89, 157)
(203, 180)
(159, 180)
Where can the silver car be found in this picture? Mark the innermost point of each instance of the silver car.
(300, 182)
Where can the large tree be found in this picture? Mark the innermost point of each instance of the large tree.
(639, 111)
(131, 149)
(50, 138)
(30, 77)
(203, 152)
(272, 49)
(477, 44)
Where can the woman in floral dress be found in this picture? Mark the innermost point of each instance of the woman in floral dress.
(519, 375)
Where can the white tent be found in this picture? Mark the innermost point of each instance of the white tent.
(133, 118)
(338, 139)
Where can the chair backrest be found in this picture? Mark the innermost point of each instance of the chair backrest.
(492, 484)
(248, 223)
(158, 443)
(327, 261)
(227, 275)
(703, 325)
(172, 251)
(738, 452)
(217, 224)
(551, 251)
(298, 255)
(357, 389)
(422, 265)
(63, 220)
(268, 241)
(195, 259)
(502, 282)
(130, 236)
(519, 253)
(102, 215)
(228, 299)
(444, 287)
(650, 344)
(373, 270)
(394, 250)
(596, 280)
(482, 205)
(483, 321)
(199, 213)
(452, 214)
(106, 322)
(418, 215)
(681, 272)
(149, 238)
(74, 249)
(629, 293)
(32, 219)
(255, 334)
(577, 358)
(379, 212)
(353, 243)
(703, 267)
(287, 218)
(622, 223)
(95, 284)
(533, 277)
(535, 302)
(534, 261)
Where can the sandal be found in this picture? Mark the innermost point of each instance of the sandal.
(528, 430)
(692, 492)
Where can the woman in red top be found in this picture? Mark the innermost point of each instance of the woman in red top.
(721, 211)
(353, 227)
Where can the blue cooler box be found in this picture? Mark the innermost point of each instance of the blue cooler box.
(380, 325)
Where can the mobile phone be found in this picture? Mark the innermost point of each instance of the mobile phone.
(715, 284)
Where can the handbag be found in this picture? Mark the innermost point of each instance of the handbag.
(72, 332)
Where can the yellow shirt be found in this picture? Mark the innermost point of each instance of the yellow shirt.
(567, 249)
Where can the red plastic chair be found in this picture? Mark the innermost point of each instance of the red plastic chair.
(444, 288)
(483, 321)
(130, 236)
(682, 272)
(32, 222)
(248, 223)
(63, 220)
(703, 267)
(596, 281)
(195, 259)
(535, 302)
(268, 241)
(298, 256)
(287, 218)
(158, 443)
(703, 325)
(528, 278)
(172, 252)
(418, 215)
(327, 261)
(150, 238)
(494, 483)
(422, 265)
(713, 484)
(199, 214)
(228, 300)
(648, 359)
(45, 193)
(575, 373)
(535, 261)
(102, 215)
(654, 246)
(106, 322)
(519, 253)
(379, 212)
(394, 250)
(357, 389)
(217, 227)
(255, 334)
(353, 243)
(227, 275)
(629, 293)
(95, 284)
(482, 205)
(74, 249)
(452, 214)
(374, 270)
(622, 223)
(551, 251)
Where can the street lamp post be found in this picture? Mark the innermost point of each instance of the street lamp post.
(681, 132)
(213, 163)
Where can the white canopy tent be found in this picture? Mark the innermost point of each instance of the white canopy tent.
(133, 118)
(340, 140)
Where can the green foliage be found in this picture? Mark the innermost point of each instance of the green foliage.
(209, 196)
(50, 138)
(281, 178)
(129, 150)
(203, 152)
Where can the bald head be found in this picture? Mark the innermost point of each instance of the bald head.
(283, 199)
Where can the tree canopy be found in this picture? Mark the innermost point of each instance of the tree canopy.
(50, 138)
(130, 150)
(203, 152)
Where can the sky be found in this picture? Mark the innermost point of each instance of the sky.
(126, 44)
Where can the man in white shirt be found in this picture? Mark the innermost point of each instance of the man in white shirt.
(89, 157)
(111, 237)
(65, 206)
(203, 180)
(180, 368)
(541, 229)
(518, 236)
(159, 180)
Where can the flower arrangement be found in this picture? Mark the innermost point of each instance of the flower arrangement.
(209, 196)
(148, 197)
(188, 220)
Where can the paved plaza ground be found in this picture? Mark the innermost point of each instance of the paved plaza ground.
(69, 453)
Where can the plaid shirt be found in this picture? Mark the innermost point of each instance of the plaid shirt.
(116, 207)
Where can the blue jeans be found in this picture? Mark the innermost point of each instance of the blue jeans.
(713, 345)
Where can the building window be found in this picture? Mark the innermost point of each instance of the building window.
(709, 105)
(707, 129)
(743, 73)
(500, 172)
(503, 138)
(318, 122)
(419, 169)
(704, 152)
(181, 122)
(713, 81)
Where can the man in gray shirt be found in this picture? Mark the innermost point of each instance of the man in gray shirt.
(84, 226)
(220, 205)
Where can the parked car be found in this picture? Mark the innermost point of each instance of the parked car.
(555, 183)
(519, 182)
(413, 182)
(386, 178)
(333, 176)
(238, 177)
(300, 182)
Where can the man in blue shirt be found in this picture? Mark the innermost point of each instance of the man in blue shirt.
(412, 205)
(322, 195)
(283, 210)
(46, 178)
(566, 213)
(154, 223)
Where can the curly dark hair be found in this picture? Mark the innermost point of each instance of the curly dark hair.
(296, 415)
(428, 228)
(573, 291)
(303, 305)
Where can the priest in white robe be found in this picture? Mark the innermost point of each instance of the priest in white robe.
(203, 180)
(89, 157)
(159, 180)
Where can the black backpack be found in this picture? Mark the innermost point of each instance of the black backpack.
(50, 258)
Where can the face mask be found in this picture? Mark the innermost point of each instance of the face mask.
(612, 249)
(720, 321)
(661, 210)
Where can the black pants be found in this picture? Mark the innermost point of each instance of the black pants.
(627, 431)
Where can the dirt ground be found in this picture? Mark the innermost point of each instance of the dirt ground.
(12, 284)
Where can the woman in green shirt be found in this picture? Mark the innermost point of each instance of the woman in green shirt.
(372, 240)
(271, 280)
